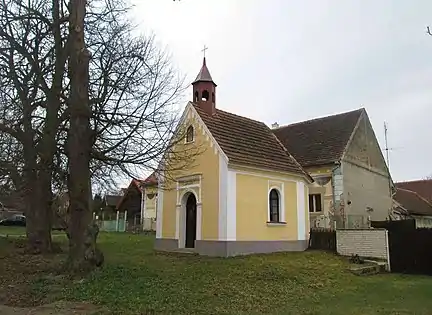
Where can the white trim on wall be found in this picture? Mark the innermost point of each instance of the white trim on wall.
(273, 178)
(256, 171)
(199, 221)
(223, 185)
(181, 218)
(231, 222)
(281, 191)
(159, 209)
(281, 203)
(143, 198)
(195, 188)
(177, 234)
(301, 211)
(189, 186)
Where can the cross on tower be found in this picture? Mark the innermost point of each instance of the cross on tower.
(204, 50)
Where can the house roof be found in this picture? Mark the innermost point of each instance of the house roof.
(319, 141)
(150, 180)
(112, 200)
(204, 74)
(249, 142)
(422, 187)
(413, 202)
(138, 184)
(12, 201)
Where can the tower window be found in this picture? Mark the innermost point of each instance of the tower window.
(196, 99)
(205, 96)
(190, 134)
(213, 97)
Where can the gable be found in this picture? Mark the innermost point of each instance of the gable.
(180, 155)
(319, 141)
(364, 149)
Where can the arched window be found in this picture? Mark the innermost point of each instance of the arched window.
(274, 205)
(205, 96)
(190, 134)
(196, 99)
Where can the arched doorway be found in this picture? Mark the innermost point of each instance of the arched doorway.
(191, 221)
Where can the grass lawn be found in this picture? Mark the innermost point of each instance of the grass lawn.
(136, 280)
(14, 230)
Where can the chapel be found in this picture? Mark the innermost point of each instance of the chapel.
(244, 194)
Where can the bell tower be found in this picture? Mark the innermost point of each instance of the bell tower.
(204, 90)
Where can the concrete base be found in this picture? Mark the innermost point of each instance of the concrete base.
(234, 248)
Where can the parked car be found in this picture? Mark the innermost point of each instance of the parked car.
(14, 220)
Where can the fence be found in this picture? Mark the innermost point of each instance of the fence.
(109, 223)
(118, 222)
(147, 225)
(410, 248)
(324, 239)
(350, 221)
(370, 243)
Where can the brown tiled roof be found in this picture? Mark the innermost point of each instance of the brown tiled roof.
(249, 142)
(422, 187)
(413, 202)
(319, 141)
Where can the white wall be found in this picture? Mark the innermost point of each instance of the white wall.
(371, 243)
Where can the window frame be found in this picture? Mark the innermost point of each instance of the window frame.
(314, 202)
(190, 127)
(281, 206)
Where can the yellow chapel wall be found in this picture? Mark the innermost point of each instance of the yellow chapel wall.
(252, 192)
(206, 163)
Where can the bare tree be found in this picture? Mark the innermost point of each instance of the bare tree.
(32, 61)
(132, 93)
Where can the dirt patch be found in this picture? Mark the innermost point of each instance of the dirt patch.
(57, 308)
(27, 280)
(20, 272)
(32, 284)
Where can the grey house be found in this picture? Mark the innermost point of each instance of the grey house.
(342, 154)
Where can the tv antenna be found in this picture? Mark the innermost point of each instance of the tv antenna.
(387, 149)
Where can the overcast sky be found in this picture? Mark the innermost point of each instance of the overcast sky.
(287, 61)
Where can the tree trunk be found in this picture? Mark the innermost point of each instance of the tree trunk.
(83, 254)
(38, 232)
(38, 228)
